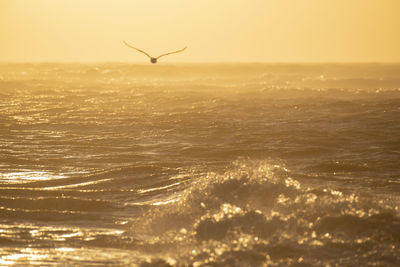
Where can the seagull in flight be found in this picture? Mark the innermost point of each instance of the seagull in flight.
(154, 59)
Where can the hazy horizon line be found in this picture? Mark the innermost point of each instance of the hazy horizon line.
(208, 62)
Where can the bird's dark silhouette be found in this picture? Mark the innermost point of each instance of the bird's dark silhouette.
(154, 59)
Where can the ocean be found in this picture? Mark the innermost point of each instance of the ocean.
(199, 164)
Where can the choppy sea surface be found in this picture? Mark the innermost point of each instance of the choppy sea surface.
(200, 164)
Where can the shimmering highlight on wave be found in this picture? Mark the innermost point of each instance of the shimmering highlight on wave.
(257, 214)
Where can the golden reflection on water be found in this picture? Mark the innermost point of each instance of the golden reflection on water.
(34, 254)
(26, 254)
(28, 176)
(77, 184)
(64, 255)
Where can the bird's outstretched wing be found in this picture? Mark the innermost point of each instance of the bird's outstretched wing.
(138, 49)
(178, 51)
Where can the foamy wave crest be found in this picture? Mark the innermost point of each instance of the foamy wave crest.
(255, 214)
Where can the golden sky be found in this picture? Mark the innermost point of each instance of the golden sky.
(213, 30)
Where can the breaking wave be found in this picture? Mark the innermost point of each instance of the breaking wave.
(257, 214)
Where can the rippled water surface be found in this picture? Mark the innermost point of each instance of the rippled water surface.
(200, 165)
